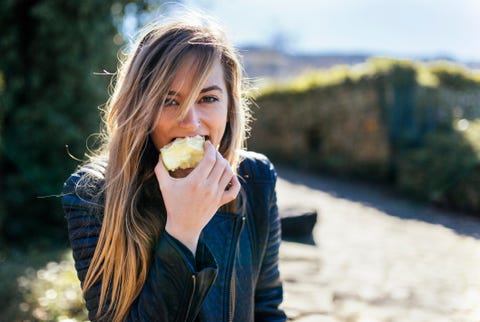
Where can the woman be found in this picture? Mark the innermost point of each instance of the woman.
(149, 246)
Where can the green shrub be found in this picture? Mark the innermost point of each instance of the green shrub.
(40, 285)
(446, 169)
(454, 76)
(52, 293)
(465, 195)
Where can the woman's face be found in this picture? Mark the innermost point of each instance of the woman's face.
(207, 115)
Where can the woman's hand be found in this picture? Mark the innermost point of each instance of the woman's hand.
(192, 201)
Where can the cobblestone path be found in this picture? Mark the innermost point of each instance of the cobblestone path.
(377, 257)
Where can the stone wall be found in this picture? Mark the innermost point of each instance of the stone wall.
(338, 128)
(357, 125)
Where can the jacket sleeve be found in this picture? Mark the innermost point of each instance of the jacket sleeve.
(176, 284)
(269, 290)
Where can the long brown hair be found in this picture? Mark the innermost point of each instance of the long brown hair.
(128, 234)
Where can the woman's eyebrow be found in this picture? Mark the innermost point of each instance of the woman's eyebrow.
(203, 90)
(211, 88)
(172, 93)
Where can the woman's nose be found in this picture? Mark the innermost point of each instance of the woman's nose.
(191, 119)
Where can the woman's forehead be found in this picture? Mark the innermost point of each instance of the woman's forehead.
(189, 77)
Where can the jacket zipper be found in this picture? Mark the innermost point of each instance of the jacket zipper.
(194, 285)
(229, 295)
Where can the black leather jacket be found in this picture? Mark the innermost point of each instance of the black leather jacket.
(234, 275)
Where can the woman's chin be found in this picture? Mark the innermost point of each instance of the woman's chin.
(181, 173)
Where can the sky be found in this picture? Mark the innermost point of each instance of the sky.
(404, 29)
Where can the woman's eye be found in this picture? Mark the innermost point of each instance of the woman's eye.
(208, 99)
(170, 102)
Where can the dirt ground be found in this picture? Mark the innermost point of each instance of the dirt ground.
(376, 257)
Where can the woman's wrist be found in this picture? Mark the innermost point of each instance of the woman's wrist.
(188, 238)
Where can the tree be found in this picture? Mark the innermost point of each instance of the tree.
(51, 52)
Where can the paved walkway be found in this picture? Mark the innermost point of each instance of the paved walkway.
(377, 258)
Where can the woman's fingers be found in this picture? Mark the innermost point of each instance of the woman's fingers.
(226, 176)
(214, 169)
(208, 161)
(219, 169)
(232, 191)
(211, 184)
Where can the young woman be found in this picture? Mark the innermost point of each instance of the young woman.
(198, 245)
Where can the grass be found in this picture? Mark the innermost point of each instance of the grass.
(39, 285)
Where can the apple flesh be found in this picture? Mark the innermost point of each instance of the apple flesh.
(183, 153)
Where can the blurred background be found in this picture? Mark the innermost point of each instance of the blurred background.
(372, 93)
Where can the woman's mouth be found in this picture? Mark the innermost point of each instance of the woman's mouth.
(206, 137)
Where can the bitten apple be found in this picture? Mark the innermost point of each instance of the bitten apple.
(183, 153)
